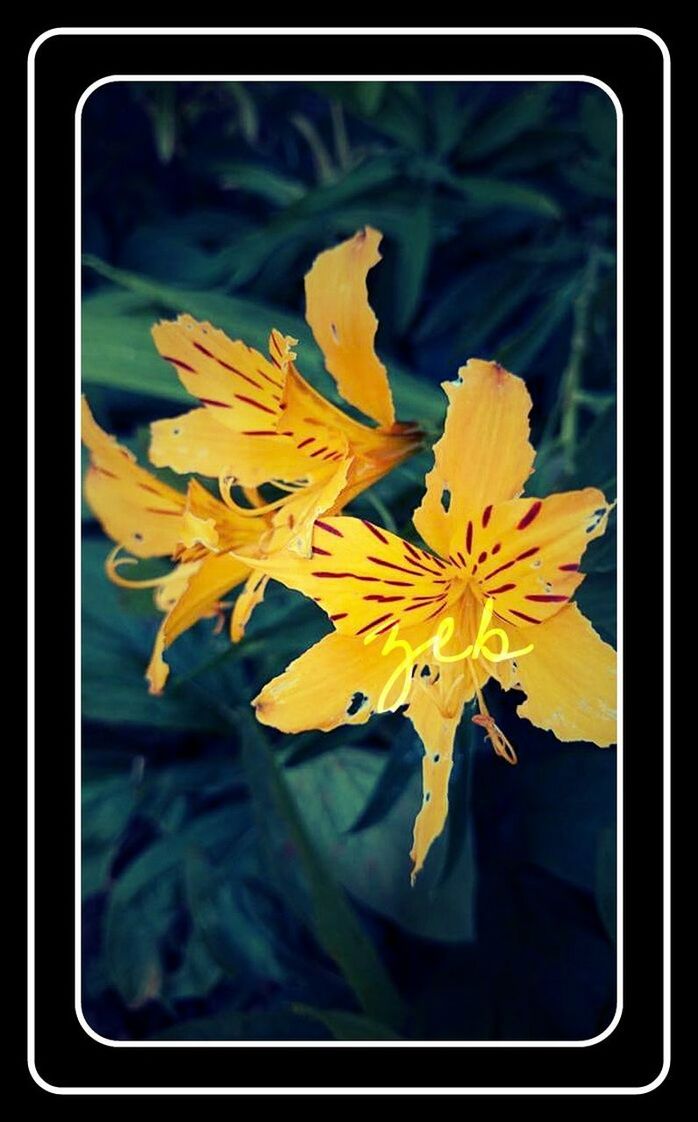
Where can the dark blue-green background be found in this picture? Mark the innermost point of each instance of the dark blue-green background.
(242, 884)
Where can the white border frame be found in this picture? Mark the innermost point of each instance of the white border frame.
(30, 475)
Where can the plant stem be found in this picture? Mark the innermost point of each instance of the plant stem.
(571, 384)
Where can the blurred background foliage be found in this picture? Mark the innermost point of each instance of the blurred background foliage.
(240, 884)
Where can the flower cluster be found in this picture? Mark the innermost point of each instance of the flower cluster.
(487, 595)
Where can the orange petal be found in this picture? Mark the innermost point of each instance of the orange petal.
(251, 595)
(344, 325)
(134, 508)
(569, 679)
(366, 578)
(239, 385)
(525, 554)
(484, 455)
(293, 522)
(339, 681)
(198, 442)
(325, 434)
(216, 575)
(435, 708)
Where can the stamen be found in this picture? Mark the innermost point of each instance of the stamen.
(111, 566)
(494, 734)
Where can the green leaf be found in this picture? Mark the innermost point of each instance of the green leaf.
(255, 179)
(592, 177)
(567, 804)
(118, 350)
(247, 115)
(373, 864)
(132, 938)
(116, 646)
(414, 252)
(347, 1026)
(225, 901)
(394, 109)
(599, 124)
(398, 770)
(509, 120)
(368, 96)
(161, 103)
(596, 454)
(336, 926)
(198, 974)
(518, 351)
(486, 191)
(596, 597)
(232, 1024)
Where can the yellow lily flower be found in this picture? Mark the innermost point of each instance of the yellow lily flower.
(259, 420)
(150, 519)
(426, 629)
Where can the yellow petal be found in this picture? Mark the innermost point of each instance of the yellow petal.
(569, 679)
(435, 708)
(134, 508)
(172, 586)
(484, 455)
(344, 325)
(197, 442)
(339, 681)
(366, 578)
(199, 531)
(239, 385)
(210, 523)
(251, 595)
(293, 522)
(211, 580)
(525, 554)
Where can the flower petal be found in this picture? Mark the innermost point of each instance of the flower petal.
(211, 525)
(524, 554)
(339, 681)
(365, 578)
(198, 442)
(569, 679)
(215, 576)
(484, 455)
(435, 709)
(251, 595)
(344, 325)
(239, 385)
(134, 508)
(293, 522)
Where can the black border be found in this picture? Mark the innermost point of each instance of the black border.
(66, 64)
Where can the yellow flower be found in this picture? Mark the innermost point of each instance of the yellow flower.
(490, 549)
(150, 519)
(259, 420)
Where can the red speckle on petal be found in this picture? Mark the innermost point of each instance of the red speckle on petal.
(532, 512)
(374, 623)
(522, 615)
(547, 599)
(375, 531)
(330, 529)
(251, 401)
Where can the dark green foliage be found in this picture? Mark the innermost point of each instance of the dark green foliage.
(240, 884)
